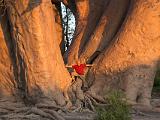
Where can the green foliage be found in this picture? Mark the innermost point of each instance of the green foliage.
(157, 81)
(116, 110)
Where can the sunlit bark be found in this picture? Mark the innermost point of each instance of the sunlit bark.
(38, 59)
(130, 62)
(124, 52)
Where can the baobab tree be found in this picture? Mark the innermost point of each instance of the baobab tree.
(120, 38)
(120, 46)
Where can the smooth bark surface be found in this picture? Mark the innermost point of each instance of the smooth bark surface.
(137, 46)
(39, 62)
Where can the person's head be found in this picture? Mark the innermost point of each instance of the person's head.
(78, 62)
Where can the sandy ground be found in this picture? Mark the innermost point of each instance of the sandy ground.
(149, 116)
(5, 107)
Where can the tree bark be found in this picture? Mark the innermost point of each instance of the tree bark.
(59, 29)
(39, 62)
(87, 18)
(130, 62)
(107, 27)
(57, 17)
(82, 8)
(128, 57)
(8, 84)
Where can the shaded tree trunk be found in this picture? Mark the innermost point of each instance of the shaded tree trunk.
(59, 28)
(8, 84)
(107, 27)
(82, 8)
(87, 18)
(57, 14)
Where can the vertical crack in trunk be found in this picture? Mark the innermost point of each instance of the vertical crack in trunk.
(107, 28)
(8, 83)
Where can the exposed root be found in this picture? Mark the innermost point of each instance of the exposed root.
(54, 113)
(29, 113)
(77, 89)
(21, 110)
(7, 99)
(9, 108)
(37, 111)
(84, 100)
(89, 103)
(68, 105)
(48, 110)
(18, 111)
(78, 109)
(51, 106)
(143, 114)
(96, 97)
(21, 117)
(3, 111)
(95, 103)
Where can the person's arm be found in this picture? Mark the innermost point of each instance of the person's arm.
(68, 66)
(89, 65)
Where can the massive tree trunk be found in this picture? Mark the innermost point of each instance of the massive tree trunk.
(137, 47)
(129, 61)
(39, 64)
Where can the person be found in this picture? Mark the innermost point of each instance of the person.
(78, 70)
(78, 77)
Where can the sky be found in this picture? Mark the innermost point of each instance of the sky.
(71, 22)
